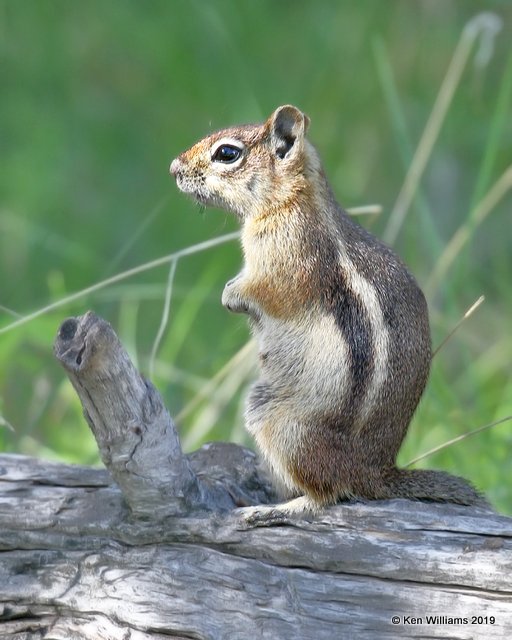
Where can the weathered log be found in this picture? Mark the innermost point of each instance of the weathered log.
(136, 436)
(152, 548)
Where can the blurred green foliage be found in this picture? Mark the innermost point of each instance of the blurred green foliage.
(98, 97)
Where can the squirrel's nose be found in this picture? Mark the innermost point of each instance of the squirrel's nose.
(175, 166)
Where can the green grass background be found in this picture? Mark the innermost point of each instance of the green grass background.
(98, 97)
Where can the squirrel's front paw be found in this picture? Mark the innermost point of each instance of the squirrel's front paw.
(232, 297)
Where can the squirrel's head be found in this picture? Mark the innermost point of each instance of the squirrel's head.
(251, 169)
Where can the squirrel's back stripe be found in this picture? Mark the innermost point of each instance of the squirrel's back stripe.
(352, 319)
(379, 335)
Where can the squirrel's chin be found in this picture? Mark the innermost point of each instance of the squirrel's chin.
(202, 198)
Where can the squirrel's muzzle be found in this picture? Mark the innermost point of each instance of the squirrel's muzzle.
(175, 167)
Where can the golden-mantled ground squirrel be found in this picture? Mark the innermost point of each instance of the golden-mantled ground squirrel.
(342, 326)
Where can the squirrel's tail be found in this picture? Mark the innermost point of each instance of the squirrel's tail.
(434, 486)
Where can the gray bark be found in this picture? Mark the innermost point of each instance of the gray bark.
(151, 547)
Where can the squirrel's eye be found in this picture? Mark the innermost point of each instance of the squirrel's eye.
(227, 153)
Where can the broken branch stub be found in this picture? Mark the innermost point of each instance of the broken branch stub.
(136, 436)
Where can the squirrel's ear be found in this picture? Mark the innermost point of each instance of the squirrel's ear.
(287, 128)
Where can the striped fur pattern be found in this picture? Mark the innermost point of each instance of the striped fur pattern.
(342, 326)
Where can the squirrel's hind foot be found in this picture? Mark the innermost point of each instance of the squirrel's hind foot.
(276, 514)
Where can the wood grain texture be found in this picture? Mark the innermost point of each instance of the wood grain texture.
(84, 555)
(75, 564)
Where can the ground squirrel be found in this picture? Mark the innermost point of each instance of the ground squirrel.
(341, 325)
